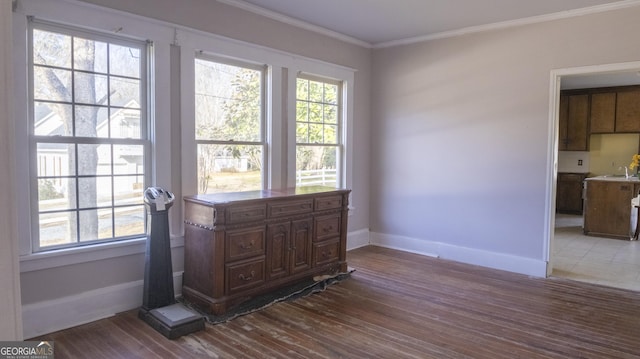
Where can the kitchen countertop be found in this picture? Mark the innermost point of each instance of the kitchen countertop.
(612, 178)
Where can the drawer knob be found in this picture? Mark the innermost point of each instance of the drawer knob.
(241, 276)
(247, 245)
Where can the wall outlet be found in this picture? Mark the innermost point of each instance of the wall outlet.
(579, 162)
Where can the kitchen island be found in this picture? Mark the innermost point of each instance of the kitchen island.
(607, 205)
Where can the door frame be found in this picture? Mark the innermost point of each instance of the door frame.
(556, 76)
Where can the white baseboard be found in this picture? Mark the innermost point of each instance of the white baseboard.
(479, 257)
(49, 316)
(357, 239)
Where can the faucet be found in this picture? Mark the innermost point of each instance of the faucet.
(626, 172)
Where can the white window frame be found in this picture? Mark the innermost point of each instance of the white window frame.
(339, 145)
(144, 141)
(99, 20)
(280, 114)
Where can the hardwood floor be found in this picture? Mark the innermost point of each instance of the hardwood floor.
(398, 305)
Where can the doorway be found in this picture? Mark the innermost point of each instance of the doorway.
(571, 254)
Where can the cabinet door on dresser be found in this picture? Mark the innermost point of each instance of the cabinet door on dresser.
(278, 238)
(628, 111)
(301, 240)
(603, 112)
(288, 248)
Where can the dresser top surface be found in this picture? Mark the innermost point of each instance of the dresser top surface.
(230, 197)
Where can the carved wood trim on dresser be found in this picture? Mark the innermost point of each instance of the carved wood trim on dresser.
(239, 245)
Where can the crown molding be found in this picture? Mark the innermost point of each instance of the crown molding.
(441, 35)
(294, 22)
(512, 23)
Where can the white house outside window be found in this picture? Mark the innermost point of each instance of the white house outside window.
(318, 132)
(89, 137)
(229, 117)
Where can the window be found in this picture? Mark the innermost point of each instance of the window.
(318, 132)
(89, 138)
(229, 126)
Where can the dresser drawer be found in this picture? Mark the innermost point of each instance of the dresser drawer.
(244, 243)
(245, 275)
(328, 202)
(326, 252)
(247, 213)
(278, 209)
(326, 227)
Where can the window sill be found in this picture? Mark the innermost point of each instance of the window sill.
(95, 252)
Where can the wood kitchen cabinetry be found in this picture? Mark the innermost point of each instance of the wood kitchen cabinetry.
(573, 122)
(607, 210)
(603, 112)
(628, 111)
(238, 245)
(569, 193)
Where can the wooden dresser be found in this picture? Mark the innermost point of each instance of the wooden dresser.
(238, 245)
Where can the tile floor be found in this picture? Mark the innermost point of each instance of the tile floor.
(605, 261)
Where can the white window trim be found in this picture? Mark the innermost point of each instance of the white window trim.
(103, 20)
(281, 151)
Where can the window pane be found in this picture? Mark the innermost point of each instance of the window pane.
(53, 194)
(330, 93)
(90, 88)
(57, 228)
(316, 165)
(91, 121)
(129, 221)
(302, 111)
(128, 190)
(315, 91)
(330, 134)
(51, 84)
(125, 92)
(89, 55)
(315, 112)
(94, 192)
(52, 119)
(51, 49)
(316, 133)
(95, 224)
(302, 133)
(124, 61)
(229, 168)
(125, 123)
(330, 114)
(94, 159)
(228, 102)
(128, 159)
(302, 89)
(55, 159)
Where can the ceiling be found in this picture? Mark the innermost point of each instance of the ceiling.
(380, 22)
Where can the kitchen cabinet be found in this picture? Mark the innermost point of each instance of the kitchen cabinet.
(239, 245)
(573, 122)
(628, 111)
(603, 112)
(569, 193)
(607, 206)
